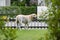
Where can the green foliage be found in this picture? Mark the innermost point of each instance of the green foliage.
(56, 2)
(7, 34)
(10, 10)
(22, 3)
(10, 34)
(54, 20)
(28, 10)
(15, 10)
(18, 3)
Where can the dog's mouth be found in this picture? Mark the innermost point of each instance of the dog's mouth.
(34, 19)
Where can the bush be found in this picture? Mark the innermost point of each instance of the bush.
(15, 10)
(54, 20)
(18, 2)
(7, 34)
(28, 10)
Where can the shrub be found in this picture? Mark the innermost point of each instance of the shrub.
(7, 34)
(15, 10)
(54, 20)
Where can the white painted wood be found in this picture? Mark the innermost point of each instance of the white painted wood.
(41, 10)
(4, 2)
(41, 2)
(7, 2)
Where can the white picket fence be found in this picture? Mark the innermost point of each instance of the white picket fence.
(31, 24)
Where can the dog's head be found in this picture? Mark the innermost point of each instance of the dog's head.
(34, 16)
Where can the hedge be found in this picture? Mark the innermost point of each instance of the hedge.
(15, 10)
(28, 10)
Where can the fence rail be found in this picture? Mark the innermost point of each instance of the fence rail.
(34, 24)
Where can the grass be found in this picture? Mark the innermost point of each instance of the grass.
(33, 34)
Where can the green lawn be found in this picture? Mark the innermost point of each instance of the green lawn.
(33, 34)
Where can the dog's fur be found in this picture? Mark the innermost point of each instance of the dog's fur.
(25, 19)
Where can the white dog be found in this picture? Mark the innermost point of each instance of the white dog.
(25, 19)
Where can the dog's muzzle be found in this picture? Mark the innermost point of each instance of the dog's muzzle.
(34, 19)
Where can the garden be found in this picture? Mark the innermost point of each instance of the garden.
(51, 33)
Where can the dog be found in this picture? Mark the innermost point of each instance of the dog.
(25, 19)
